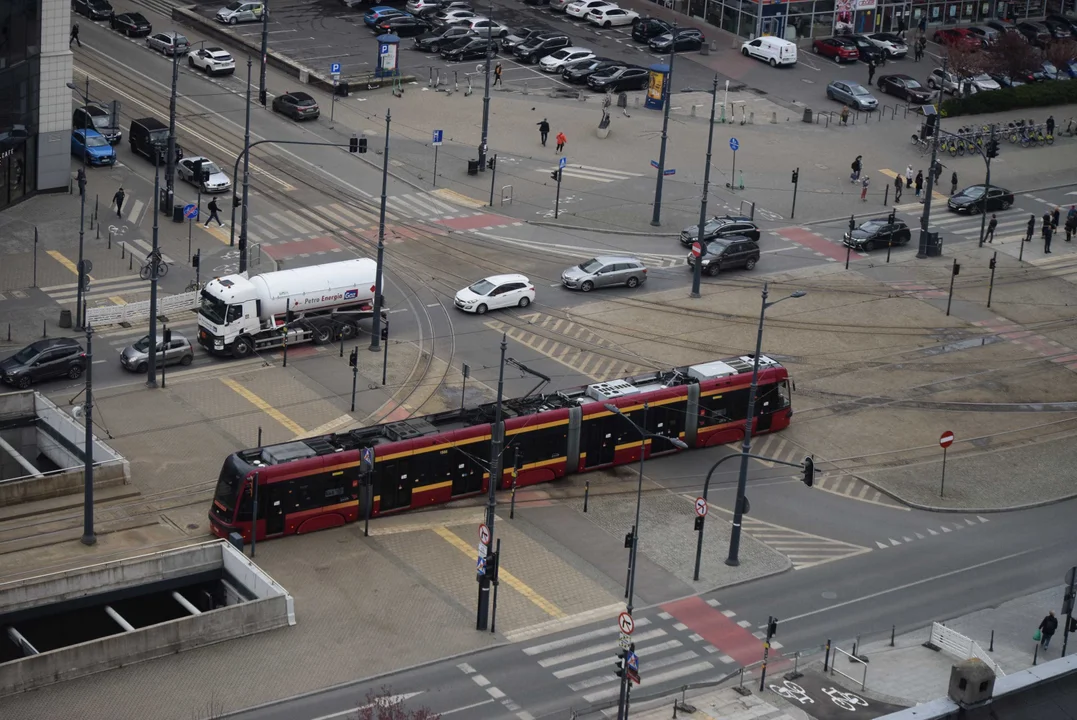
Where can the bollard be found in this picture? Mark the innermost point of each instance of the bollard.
(886, 195)
(826, 658)
(856, 648)
(586, 493)
(894, 627)
(525, 87)
(774, 117)
(98, 232)
(109, 239)
(990, 649)
(9, 332)
(130, 262)
(44, 329)
(1035, 653)
(692, 112)
(123, 250)
(751, 118)
(637, 105)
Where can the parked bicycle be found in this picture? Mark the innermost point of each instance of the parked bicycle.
(194, 286)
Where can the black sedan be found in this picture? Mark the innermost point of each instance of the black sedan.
(868, 50)
(687, 39)
(93, 9)
(620, 78)
(131, 24)
(297, 105)
(646, 28)
(973, 200)
(403, 26)
(905, 87)
(578, 71)
(435, 41)
(470, 48)
(878, 233)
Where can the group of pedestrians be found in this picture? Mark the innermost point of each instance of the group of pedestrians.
(214, 208)
(544, 132)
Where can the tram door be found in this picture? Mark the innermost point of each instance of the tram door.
(393, 484)
(599, 441)
(276, 499)
(466, 470)
(767, 402)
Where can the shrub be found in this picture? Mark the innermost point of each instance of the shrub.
(1042, 94)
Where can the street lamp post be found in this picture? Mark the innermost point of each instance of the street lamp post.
(486, 94)
(746, 447)
(85, 94)
(925, 217)
(697, 271)
(667, 91)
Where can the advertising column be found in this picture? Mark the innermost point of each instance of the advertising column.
(655, 89)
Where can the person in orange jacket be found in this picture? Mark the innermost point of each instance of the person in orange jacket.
(561, 140)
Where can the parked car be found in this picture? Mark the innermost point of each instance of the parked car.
(580, 8)
(93, 9)
(972, 200)
(1069, 21)
(878, 233)
(951, 83)
(543, 46)
(866, 50)
(1036, 33)
(687, 39)
(212, 61)
(1060, 30)
(44, 360)
(852, 94)
(213, 180)
(891, 44)
(131, 24)
(403, 26)
(149, 138)
(92, 148)
(609, 15)
(771, 50)
(376, 14)
(577, 72)
(1000, 27)
(169, 43)
(297, 105)
(905, 87)
(417, 7)
(453, 16)
(434, 42)
(554, 62)
(620, 79)
(559, 5)
(484, 27)
(1050, 71)
(470, 48)
(958, 36)
(646, 28)
(519, 36)
(136, 356)
(986, 34)
(605, 271)
(241, 11)
(95, 116)
(836, 48)
(1006, 80)
(496, 291)
(727, 253)
(724, 226)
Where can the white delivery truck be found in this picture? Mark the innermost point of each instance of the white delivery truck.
(239, 315)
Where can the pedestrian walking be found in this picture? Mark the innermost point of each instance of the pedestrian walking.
(1055, 216)
(871, 70)
(1048, 231)
(1031, 228)
(919, 182)
(544, 130)
(845, 115)
(213, 210)
(901, 28)
(856, 166)
(74, 36)
(117, 200)
(923, 25)
(497, 75)
(561, 140)
(1071, 222)
(864, 188)
(898, 185)
(937, 170)
(1050, 125)
(908, 176)
(1047, 629)
(990, 236)
(953, 183)
(1047, 218)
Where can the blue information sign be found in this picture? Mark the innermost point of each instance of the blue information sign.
(669, 172)
(632, 660)
(562, 163)
(438, 135)
(190, 211)
(654, 164)
(734, 144)
(334, 68)
(480, 566)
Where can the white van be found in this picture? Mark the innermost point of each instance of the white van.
(771, 49)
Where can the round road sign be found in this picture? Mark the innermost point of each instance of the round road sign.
(947, 439)
(626, 623)
(697, 249)
(701, 507)
(190, 211)
(484, 534)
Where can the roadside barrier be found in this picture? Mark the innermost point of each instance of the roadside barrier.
(954, 643)
(116, 314)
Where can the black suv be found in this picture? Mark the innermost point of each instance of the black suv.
(523, 36)
(470, 48)
(96, 117)
(93, 9)
(721, 227)
(533, 52)
(646, 28)
(727, 253)
(43, 360)
(868, 50)
(441, 38)
(878, 233)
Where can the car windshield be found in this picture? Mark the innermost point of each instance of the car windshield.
(142, 345)
(96, 141)
(212, 308)
(887, 38)
(665, 37)
(100, 121)
(717, 246)
(482, 287)
(209, 167)
(872, 226)
(1049, 67)
(973, 192)
(859, 90)
(591, 266)
(233, 6)
(227, 492)
(911, 84)
(26, 355)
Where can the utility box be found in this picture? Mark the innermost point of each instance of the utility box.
(934, 243)
(971, 682)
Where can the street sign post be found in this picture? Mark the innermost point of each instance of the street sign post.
(626, 623)
(654, 164)
(562, 163)
(945, 440)
(334, 68)
(734, 145)
(625, 641)
(701, 507)
(438, 135)
(190, 211)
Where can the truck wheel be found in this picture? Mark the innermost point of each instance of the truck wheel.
(241, 348)
(322, 334)
(348, 330)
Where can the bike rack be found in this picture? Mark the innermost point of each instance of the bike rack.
(741, 208)
(854, 659)
(506, 194)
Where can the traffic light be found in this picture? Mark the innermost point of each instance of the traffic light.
(852, 223)
(1067, 603)
(893, 217)
(992, 148)
(490, 163)
(491, 565)
(200, 175)
(353, 359)
(628, 540)
(236, 202)
(957, 269)
(82, 181)
(167, 336)
(796, 176)
(991, 263)
(809, 472)
(196, 259)
(362, 145)
(385, 331)
(556, 175)
(353, 144)
(772, 627)
(621, 664)
(699, 523)
(262, 97)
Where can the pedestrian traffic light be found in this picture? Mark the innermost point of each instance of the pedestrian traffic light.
(196, 259)
(236, 202)
(957, 269)
(621, 665)
(82, 181)
(628, 540)
(796, 176)
(353, 359)
(992, 148)
(809, 472)
(1067, 603)
(492, 565)
(556, 175)
(991, 263)
(852, 223)
(893, 217)
(385, 331)
(167, 336)
(353, 144)
(699, 523)
(490, 163)
(262, 97)
(362, 145)
(198, 175)
(772, 627)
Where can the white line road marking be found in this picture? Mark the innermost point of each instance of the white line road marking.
(575, 639)
(495, 693)
(480, 680)
(653, 680)
(594, 650)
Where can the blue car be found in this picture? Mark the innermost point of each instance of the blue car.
(378, 13)
(91, 146)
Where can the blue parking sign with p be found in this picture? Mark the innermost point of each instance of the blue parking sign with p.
(334, 68)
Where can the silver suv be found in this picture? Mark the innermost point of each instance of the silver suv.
(604, 271)
(179, 351)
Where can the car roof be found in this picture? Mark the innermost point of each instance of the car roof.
(54, 342)
(728, 240)
(300, 95)
(510, 277)
(898, 76)
(136, 16)
(94, 109)
(194, 158)
(216, 50)
(617, 259)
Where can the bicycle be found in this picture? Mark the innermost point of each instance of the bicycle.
(146, 270)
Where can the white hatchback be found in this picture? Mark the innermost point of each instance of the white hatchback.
(496, 291)
(557, 61)
(212, 60)
(580, 8)
(610, 15)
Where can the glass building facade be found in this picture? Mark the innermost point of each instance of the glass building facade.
(802, 19)
(35, 104)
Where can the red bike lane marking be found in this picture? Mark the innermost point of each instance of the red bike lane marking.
(475, 222)
(299, 247)
(816, 243)
(720, 631)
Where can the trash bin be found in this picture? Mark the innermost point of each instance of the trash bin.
(934, 244)
(622, 100)
(65, 318)
(472, 167)
(807, 115)
(342, 89)
(177, 213)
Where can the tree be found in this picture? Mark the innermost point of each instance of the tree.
(1060, 52)
(1011, 55)
(383, 705)
(965, 62)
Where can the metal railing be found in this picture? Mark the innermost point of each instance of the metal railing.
(853, 659)
(115, 314)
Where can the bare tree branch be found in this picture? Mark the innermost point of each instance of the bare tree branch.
(383, 705)
(1060, 52)
(1011, 55)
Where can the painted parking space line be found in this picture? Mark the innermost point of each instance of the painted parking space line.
(265, 407)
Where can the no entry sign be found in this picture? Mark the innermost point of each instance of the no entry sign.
(697, 249)
(947, 439)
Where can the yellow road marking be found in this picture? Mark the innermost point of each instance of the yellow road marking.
(514, 582)
(327, 427)
(459, 198)
(117, 300)
(219, 232)
(265, 407)
(60, 258)
(891, 174)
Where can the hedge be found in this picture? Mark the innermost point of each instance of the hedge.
(1041, 94)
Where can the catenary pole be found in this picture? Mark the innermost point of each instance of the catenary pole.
(697, 271)
(246, 149)
(375, 333)
(656, 216)
(486, 95)
(151, 361)
(246, 176)
(88, 536)
(925, 218)
(170, 161)
(496, 444)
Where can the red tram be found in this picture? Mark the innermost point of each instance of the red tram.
(313, 484)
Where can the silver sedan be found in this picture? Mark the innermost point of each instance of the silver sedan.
(851, 93)
(213, 180)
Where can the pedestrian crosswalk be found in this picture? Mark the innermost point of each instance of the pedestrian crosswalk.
(13, 295)
(852, 487)
(110, 291)
(592, 174)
